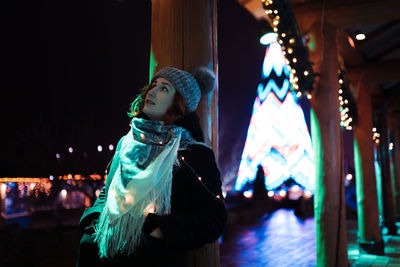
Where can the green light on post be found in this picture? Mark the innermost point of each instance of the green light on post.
(152, 65)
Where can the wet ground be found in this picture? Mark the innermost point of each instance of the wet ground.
(277, 238)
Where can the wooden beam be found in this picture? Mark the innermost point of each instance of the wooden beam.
(350, 56)
(346, 14)
(391, 48)
(378, 32)
(376, 72)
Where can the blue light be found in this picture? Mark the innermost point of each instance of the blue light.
(277, 137)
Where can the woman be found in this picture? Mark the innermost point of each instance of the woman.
(163, 194)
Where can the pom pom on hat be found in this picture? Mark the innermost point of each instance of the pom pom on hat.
(205, 78)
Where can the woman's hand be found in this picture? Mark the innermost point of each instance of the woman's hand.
(157, 233)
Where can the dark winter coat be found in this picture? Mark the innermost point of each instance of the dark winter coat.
(198, 214)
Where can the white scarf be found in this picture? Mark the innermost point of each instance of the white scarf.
(141, 184)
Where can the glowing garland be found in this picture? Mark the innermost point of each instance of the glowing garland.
(289, 37)
(376, 136)
(348, 108)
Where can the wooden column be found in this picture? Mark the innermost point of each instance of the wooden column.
(184, 35)
(389, 219)
(369, 232)
(395, 126)
(326, 134)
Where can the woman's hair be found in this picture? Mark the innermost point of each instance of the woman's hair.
(177, 110)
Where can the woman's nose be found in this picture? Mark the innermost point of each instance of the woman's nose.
(152, 91)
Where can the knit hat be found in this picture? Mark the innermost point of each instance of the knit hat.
(192, 86)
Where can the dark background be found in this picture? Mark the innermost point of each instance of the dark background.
(69, 70)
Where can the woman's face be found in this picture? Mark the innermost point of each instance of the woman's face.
(159, 99)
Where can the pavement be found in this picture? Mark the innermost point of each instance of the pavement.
(391, 257)
(275, 238)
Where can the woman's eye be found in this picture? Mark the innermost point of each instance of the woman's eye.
(165, 89)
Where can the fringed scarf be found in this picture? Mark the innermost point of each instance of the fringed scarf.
(141, 184)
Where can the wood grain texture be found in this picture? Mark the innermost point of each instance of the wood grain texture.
(329, 197)
(184, 35)
(367, 199)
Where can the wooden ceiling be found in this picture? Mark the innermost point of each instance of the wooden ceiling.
(377, 58)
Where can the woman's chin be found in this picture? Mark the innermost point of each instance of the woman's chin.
(151, 116)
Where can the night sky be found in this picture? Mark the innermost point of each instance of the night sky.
(70, 69)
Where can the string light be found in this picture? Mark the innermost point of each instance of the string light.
(345, 97)
(293, 45)
(375, 135)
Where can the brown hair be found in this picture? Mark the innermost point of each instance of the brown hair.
(177, 110)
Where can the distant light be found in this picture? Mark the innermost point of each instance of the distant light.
(305, 73)
(374, 129)
(51, 177)
(70, 150)
(282, 193)
(98, 193)
(298, 94)
(351, 42)
(99, 148)
(248, 194)
(341, 81)
(110, 147)
(295, 188)
(271, 193)
(58, 155)
(307, 194)
(349, 176)
(69, 176)
(360, 36)
(391, 146)
(32, 186)
(63, 194)
(3, 189)
(224, 194)
(309, 96)
(268, 38)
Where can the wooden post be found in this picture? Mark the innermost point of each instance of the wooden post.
(389, 219)
(184, 35)
(396, 165)
(395, 126)
(369, 234)
(326, 134)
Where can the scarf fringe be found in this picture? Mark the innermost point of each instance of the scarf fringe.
(119, 236)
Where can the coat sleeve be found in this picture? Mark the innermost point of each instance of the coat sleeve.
(205, 221)
(92, 213)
